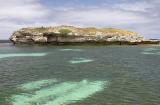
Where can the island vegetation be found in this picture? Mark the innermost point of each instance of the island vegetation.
(77, 35)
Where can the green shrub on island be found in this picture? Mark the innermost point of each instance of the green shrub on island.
(64, 31)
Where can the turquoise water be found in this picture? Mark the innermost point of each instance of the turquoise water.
(79, 75)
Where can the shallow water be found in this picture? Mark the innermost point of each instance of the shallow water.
(22, 55)
(79, 75)
(56, 93)
(65, 49)
(80, 60)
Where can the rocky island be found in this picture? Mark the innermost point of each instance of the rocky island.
(76, 35)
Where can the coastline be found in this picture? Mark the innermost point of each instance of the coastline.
(86, 44)
(5, 41)
(70, 35)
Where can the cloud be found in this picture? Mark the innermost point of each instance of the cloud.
(142, 16)
(15, 13)
(140, 6)
(22, 9)
(98, 16)
(146, 8)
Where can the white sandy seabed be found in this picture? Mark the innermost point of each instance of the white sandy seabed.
(151, 51)
(53, 92)
(22, 55)
(76, 50)
(80, 60)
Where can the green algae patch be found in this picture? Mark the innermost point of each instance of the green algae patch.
(56, 93)
(22, 55)
(80, 60)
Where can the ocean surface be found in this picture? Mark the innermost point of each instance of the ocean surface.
(79, 75)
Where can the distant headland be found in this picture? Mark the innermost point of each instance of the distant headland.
(75, 35)
(5, 41)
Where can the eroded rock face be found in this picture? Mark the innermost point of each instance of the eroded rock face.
(70, 34)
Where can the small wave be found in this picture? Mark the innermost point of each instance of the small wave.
(60, 93)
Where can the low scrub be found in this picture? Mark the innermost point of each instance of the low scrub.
(64, 31)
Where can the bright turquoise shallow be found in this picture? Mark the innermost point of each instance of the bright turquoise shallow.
(79, 75)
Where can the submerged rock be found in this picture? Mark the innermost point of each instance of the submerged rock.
(75, 35)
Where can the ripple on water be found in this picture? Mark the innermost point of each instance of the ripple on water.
(56, 93)
(80, 60)
(22, 54)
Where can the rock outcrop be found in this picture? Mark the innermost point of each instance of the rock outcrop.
(74, 35)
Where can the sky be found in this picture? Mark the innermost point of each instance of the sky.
(142, 16)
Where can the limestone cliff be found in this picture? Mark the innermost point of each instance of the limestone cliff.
(70, 34)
